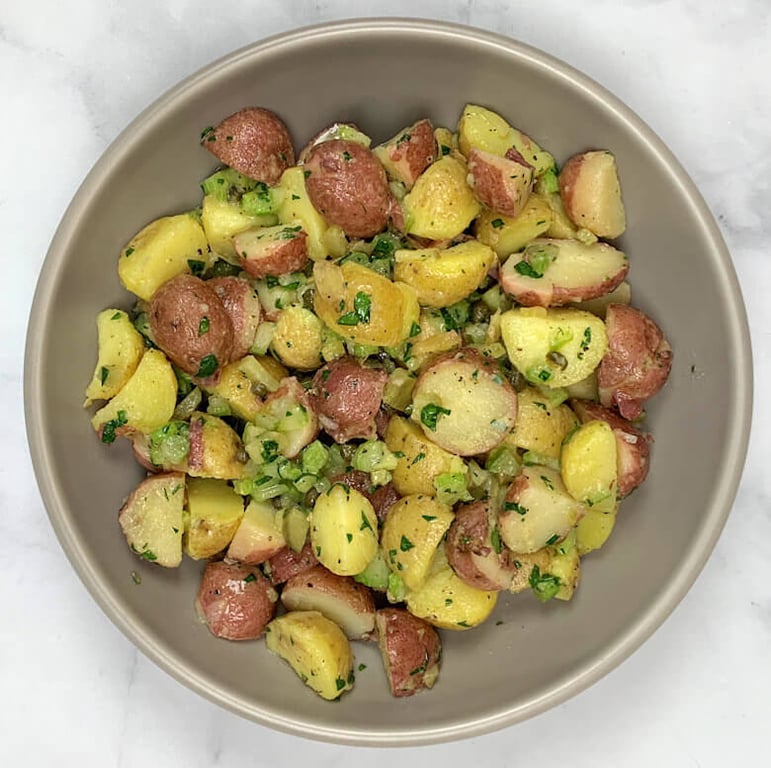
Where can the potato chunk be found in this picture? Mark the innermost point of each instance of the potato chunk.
(339, 598)
(554, 347)
(216, 450)
(421, 460)
(163, 249)
(343, 528)
(446, 601)
(507, 234)
(297, 338)
(441, 204)
(502, 184)
(145, 403)
(464, 404)
(222, 220)
(363, 306)
(541, 427)
(551, 273)
(411, 651)
(259, 535)
(591, 192)
(442, 277)
(215, 511)
(409, 153)
(589, 465)
(593, 530)
(412, 532)
(537, 510)
(151, 519)
(120, 348)
(272, 250)
(316, 649)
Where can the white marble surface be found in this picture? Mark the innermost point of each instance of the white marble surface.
(72, 75)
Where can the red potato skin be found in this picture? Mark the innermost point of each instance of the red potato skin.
(290, 386)
(637, 363)
(348, 187)
(254, 141)
(550, 295)
(287, 563)
(327, 134)
(468, 539)
(412, 151)
(347, 397)
(503, 184)
(411, 651)
(383, 499)
(232, 607)
(344, 588)
(632, 445)
(176, 311)
(272, 256)
(243, 307)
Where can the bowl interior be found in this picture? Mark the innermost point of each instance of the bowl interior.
(383, 76)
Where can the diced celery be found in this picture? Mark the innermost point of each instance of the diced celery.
(314, 457)
(218, 406)
(260, 201)
(398, 389)
(188, 404)
(170, 444)
(451, 488)
(295, 525)
(263, 338)
(503, 461)
(373, 455)
(376, 574)
(530, 458)
(227, 184)
(396, 589)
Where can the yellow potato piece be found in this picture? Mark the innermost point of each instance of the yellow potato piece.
(235, 386)
(541, 427)
(412, 531)
(120, 348)
(446, 601)
(593, 530)
(215, 510)
(147, 400)
(343, 529)
(441, 204)
(316, 649)
(296, 206)
(363, 306)
(223, 451)
(444, 277)
(222, 220)
(506, 234)
(553, 347)
(420, 461)
(481, 128)
(589, 466)
(161, 251)
(297, 338)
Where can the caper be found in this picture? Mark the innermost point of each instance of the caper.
(259, 389)
(480, 312)
(310, 498)
(558, 359)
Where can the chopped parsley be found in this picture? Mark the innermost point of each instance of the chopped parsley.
(405, 544)
(349, 536)
(203, 326)
(108, 431)
(128, 251)
(196, 267)
(269, 451)
(585, 342)
(496, 223)
(103, 374)
(430, 413)
(149, 555)
(513, 506)
(340, 683)
(495, 540)
(544, 585)
(249, 578)
(207, 367)
(362, 304)
(553, 539)
(365, 522)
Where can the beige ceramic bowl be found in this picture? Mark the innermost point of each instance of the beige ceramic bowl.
(383, 75)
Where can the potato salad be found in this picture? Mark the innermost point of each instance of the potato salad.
(373, 387)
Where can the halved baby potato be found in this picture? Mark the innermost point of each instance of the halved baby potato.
(272, 250)
(442, 277)
(363, 306)
(551, 273)
(316, 649)
(349, 604)
(441, 204)
(222, 220)
(120, 348)
(216, 449)
(537, 510)
(589, 465)
(502, 184)
(413, 529)
(463, 403)
(553, 347)
(541, 426)
(215, 511)
(151, 519)
(409, 153)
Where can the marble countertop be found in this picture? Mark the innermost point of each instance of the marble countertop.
(73, 75)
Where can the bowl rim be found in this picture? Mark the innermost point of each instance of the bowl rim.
(736, 438)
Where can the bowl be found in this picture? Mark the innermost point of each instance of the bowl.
(383, 75)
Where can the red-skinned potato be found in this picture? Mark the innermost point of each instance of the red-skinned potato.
(258, 536)
(637, 363)
(383, 499)
(346, 602)
(463, 403)
(348, 131)
(411, 651)
(243, 307)
(503, 184)
(632, 445)
(475, 551)
(553, 273)
(287, 563)
(591, 193)
(348, 187)
(409, 153)
(254, 141)
(236, 601)
(347, 397)
(272, 250)
(216, 450)
(190, 324)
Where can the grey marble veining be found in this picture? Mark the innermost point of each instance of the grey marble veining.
(73, 75)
